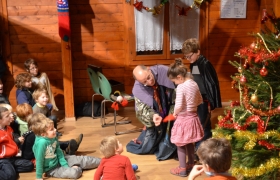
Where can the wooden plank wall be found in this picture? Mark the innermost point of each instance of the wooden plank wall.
(98, 37)
(226, 36)
(33, 34)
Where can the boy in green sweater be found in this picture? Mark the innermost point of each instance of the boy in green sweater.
(50, 158)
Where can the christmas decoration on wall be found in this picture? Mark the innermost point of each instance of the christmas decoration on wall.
(182, 11)
(252, 123)
(63, 19)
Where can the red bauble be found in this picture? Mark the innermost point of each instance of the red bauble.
(263, 72)
(243, 80)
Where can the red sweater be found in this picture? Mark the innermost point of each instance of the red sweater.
(117, 167)
(7, 143)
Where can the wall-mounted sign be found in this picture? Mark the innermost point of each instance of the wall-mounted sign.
(233, 8)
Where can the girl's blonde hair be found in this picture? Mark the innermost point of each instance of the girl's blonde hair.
(108, 146)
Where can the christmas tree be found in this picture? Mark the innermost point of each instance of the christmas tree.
(252, 123)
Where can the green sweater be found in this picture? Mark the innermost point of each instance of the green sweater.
(23, 126)
(48, 155)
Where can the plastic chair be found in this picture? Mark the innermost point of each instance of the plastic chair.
(94, 80)
(106, 91)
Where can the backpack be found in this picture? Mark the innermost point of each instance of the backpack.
(85, 109)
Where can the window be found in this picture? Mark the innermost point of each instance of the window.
(160, 37)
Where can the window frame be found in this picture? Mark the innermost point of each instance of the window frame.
(166, 58)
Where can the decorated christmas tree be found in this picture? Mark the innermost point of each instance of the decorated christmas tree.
(252, 123)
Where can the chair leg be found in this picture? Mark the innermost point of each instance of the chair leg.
(115, 123)
(123, 122)
(92, 105)
(102, 118)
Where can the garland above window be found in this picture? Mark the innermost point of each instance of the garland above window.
(157, 9)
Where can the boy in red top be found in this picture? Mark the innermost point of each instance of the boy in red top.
(10, 165)
(113, 165)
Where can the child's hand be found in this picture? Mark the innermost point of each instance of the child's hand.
(21, 139)
(196, 171)
(75, 167)
(175, 115)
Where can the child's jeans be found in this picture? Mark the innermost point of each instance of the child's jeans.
(10, 167)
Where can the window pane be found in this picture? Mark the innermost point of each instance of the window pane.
(149, 30)
(182, 27)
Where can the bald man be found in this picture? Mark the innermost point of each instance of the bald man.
(154, 99)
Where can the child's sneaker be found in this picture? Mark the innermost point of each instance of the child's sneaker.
(134, 167)
(178, 171)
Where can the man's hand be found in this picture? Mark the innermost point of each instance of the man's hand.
(196, 171)
(157, 119)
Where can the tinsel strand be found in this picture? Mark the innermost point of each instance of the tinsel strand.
(264, 42)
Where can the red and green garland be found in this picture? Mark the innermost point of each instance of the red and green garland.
(157, 9)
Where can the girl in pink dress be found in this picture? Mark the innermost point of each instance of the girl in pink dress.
(187, 128)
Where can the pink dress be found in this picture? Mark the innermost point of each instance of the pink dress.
(187, 127)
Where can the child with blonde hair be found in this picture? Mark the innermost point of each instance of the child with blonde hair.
(187, 128)
(113, 165)
(70, 147)
(41, 98)
(50, 158)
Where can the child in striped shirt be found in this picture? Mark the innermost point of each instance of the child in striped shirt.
(187, 128)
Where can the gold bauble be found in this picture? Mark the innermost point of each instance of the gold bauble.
(240, 69)
(254, 98)
(257, 47)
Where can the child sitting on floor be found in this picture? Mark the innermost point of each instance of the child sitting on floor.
(10, 165)
(41, 98)
(215, 156)
(14, 125)
(23, 110)
(24, 93)
(70, 147)
(50, 158)
(113, 165)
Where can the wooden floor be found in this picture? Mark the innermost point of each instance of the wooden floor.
(148, 167)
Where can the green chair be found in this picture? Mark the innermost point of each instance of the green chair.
(106, 91)
(94, 81)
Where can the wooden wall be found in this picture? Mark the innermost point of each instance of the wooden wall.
(32, 33)
(99, 37)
